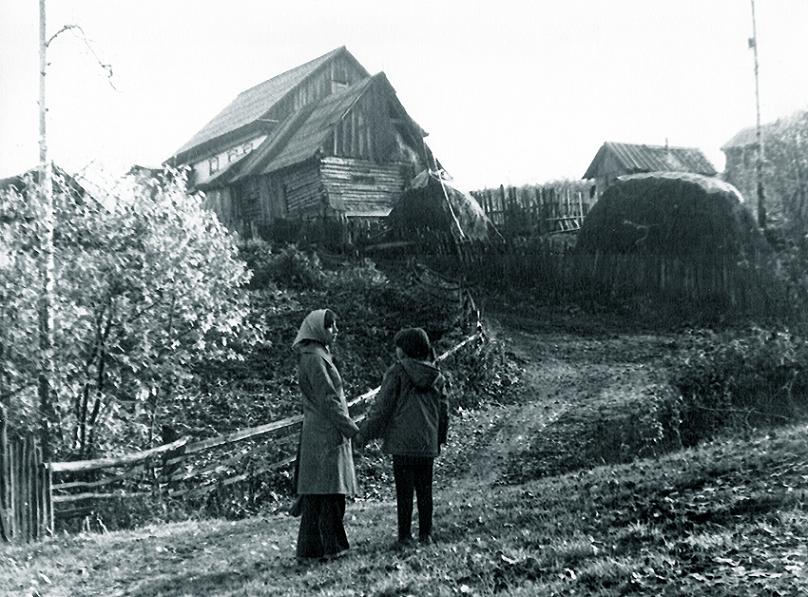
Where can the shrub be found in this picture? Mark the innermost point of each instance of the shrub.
(257, 254)
(756, 377)
(357, 276)
(142, 290)
(294, 268)
(289, 267)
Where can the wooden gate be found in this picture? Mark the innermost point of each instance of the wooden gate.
(26, 508)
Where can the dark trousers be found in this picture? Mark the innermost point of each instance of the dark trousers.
(413, 475)
(321, 530)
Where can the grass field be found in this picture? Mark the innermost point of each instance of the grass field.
(727, 518)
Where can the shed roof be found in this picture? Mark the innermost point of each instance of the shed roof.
(614, 159)
(252, 104)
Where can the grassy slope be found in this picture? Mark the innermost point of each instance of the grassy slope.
(728, 518)
(725, 519)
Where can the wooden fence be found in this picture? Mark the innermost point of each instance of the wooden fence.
(185, 469)
(539, 209)
(26, 511)
(34, 496)
(553, 271)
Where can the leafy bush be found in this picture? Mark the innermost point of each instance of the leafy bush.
(257, 254)
(143, 290)
(759, 376)
(293, 268)
(362, 275)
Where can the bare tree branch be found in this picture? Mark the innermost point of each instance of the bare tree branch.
(83, 36)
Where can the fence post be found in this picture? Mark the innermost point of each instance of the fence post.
(33, 489)
(171, 463)
(5, 480)
(24, 491)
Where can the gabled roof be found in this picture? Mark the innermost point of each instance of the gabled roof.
(307, 134)
(301, 136)
(748, 136)
(251, 105)
(628, 158)
(62, 181)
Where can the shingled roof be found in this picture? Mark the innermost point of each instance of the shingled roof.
(615, 159)
(301, 135)
(251, 105)
(308, 133)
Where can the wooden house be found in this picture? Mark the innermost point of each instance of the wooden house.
(322, 141)
(618, 159)
(783, 142)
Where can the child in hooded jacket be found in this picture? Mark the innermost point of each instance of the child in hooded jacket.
(410, 414)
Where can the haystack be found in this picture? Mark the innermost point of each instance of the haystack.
(435, 205)
(671, 213)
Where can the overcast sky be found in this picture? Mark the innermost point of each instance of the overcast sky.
(510, 92)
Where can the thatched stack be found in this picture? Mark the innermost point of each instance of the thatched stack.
(432, 204)
(673, 214)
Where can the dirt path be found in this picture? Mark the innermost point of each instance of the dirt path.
(561, 368)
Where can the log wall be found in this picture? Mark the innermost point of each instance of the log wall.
(363, 188)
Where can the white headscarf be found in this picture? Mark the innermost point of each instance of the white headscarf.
(312, 328)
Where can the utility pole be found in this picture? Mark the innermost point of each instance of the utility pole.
(47, 264)
(761, 198)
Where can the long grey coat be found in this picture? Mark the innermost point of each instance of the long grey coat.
(326, 461)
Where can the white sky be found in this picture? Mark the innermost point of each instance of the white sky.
(510, 92)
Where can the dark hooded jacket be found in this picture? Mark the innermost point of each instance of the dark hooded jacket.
(411, 410)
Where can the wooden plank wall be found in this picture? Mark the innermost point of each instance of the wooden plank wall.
(304, 191)
(322, 84)
(363, 185)
(26, 511)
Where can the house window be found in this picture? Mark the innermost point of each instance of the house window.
(247, 147)
(232, 155)
(213, 165)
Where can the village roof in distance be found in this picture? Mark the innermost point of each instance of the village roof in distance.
(747, 137)
(615, 159)
(252, 104)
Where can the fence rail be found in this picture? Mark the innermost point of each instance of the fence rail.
(180, 469)
(31, 502)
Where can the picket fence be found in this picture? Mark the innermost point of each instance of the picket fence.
(35, 496)
(538, 209)
(26, 511)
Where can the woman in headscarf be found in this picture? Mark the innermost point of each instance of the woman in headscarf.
(326, 469)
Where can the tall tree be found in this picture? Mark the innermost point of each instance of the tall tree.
(47, 267)
(761, 195)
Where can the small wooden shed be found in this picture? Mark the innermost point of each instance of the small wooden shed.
(619, 159)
